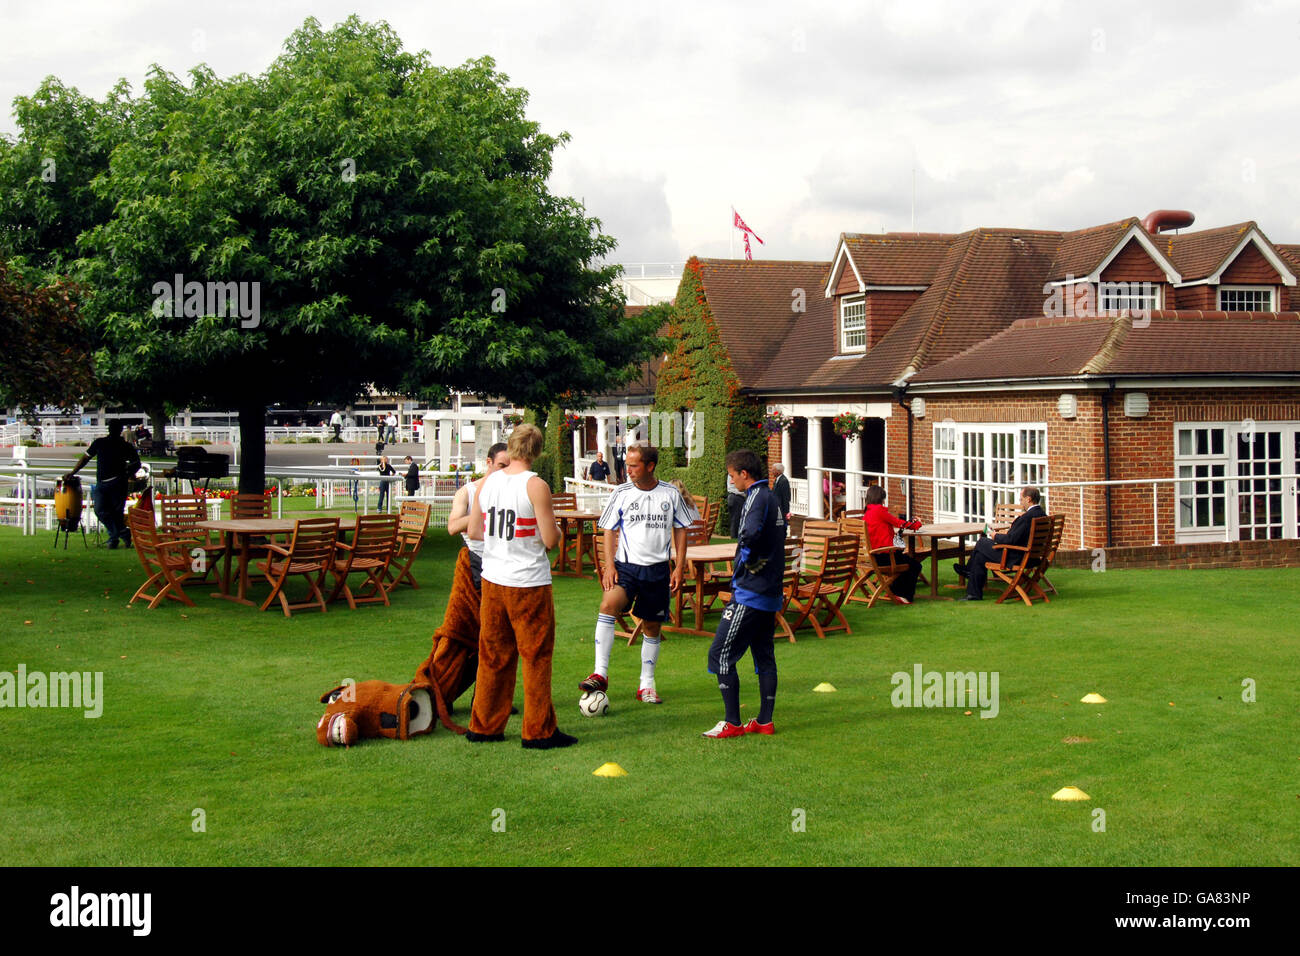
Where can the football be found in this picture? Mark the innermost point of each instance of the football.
(594, 703)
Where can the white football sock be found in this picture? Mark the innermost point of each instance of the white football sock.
(604, 642)
(649, 657)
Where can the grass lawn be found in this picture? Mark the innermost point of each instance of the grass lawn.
(214, 708)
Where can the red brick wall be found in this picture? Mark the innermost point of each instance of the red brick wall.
(1133, 264)
(1140, 448)
(1250, 268)
(1217, 554)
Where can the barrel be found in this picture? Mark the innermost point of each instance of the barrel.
(67, 503)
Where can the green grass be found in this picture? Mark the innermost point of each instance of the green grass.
(215, 708)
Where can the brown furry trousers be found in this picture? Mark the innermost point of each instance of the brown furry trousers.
(453, 661)
(517, 623)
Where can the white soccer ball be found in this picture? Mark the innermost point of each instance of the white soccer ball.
(594, 703)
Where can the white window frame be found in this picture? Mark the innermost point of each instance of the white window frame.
(847, 303)
(1227, 460)
(1271, 292)
(953, 442)
(1114, 297)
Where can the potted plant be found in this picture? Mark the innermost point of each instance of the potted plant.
(848, 425)
(774, 423)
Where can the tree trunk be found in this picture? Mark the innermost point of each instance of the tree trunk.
(158, 423)
(252, 449)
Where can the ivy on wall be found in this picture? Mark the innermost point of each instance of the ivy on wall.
(557, 449)
(698, 376)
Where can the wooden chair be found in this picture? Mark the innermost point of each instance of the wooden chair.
(370, 552)
(821, 528)
(310, 555)
(181, 515)
(789, 580)
(164, 556)
(412, 520)
(565, 499)
(709, 511)
(830, 566)
(1022, 566)
(621, 626)
(1004, 515)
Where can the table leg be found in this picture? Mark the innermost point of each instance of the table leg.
(934, 567)
(224, 588)
(243, 572)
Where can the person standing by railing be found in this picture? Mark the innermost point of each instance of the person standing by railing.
(115, 462)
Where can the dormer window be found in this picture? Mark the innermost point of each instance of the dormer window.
(1246, 298)
(853, 324)
(1133, 296)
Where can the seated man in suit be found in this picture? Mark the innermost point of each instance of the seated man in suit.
(975, 573)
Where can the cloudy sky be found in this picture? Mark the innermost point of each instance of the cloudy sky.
(810, 119)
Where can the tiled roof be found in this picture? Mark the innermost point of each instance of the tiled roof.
(978, 284)
(1082, 251)
(1199, 254)
(753, 304)
(1173, 343)
(897, 258)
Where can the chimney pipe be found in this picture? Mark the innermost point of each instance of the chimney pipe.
(1163, 220)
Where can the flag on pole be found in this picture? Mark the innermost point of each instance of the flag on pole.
(740, 224)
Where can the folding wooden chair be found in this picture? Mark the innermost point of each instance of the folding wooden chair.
(709, 511)
(567, 500)
(789, 580)
(310, 555)
(621, 626)
(412, 520)
(165, 558)
(1022, 566)
(370, 552)
(181, 515)
(830, 565)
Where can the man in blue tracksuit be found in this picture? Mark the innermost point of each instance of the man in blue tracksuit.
(749, 620)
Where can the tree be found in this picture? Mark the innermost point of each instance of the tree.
(46, 354)
(375, 220)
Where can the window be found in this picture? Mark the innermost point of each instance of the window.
(999, 459)
(1246, 298)
(1133, 296)
(1199, 454)
(853, 325)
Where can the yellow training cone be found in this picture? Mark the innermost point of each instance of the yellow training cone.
(824, 688)
(1092, 699)
(609, 770)
(1070, 793)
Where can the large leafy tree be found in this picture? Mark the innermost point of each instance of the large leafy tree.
(392, 218)
(44, 359)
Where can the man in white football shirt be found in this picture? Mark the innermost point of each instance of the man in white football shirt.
(649, 518)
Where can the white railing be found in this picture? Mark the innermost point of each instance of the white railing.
(1008, 491)
(591, 495)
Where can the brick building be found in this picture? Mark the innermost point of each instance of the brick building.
(1000, 357)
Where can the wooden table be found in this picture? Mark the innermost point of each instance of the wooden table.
(573, 528)
(935, 532)
(237, 531)
(696, 558)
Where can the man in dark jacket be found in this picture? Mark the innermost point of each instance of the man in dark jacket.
(975, 573)
(781, 488)
(116, 462)
(412, 476)
(749, 619)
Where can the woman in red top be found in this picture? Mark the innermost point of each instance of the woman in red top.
(880, 534)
